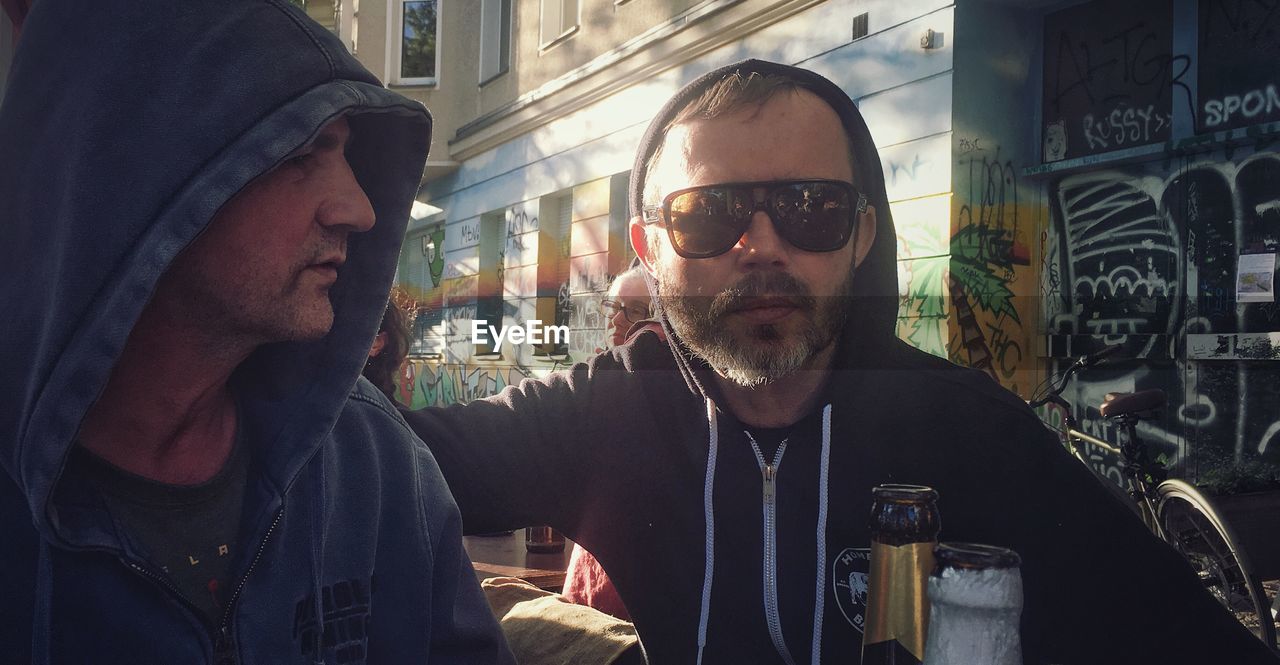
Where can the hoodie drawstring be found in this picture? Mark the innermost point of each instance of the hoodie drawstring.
(42, 621)
(317, 554)
(709, 518)
(820, 599)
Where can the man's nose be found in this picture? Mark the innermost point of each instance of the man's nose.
(346, 204)
(761, 244)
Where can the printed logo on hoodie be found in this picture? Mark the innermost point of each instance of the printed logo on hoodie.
(849, 577)
(346, 621)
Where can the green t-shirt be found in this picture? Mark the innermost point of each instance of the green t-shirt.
(189, 532)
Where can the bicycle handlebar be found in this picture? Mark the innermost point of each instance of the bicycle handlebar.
(1083, 362)
(1099, 355)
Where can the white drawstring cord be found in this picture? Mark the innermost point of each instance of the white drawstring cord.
(709, 518)
(820, 600)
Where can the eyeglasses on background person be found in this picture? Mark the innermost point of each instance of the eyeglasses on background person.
(706, 221)
(633, 312)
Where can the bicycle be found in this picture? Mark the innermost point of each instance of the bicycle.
(1173, 509)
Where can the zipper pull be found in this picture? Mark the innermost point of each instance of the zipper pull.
(769, 474)
(222, 645)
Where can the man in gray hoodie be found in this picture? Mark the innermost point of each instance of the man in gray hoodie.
(202, 207)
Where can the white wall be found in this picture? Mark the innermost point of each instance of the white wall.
(904, 91)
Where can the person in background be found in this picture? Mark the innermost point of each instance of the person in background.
(389, 350)
(203, 204)
(627, 304)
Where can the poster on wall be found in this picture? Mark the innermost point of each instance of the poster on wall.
(1109, 74)
(1238, 80)
(1255, 277)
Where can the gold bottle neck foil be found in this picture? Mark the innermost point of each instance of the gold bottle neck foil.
(897, 604)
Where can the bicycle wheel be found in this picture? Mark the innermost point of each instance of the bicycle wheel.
(1195, 529)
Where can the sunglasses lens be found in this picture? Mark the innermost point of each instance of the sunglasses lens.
(703, 222)
(814, 216)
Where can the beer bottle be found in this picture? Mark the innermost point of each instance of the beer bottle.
(904, 531)
(975, 594)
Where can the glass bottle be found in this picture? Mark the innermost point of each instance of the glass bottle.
(904, 531)
(976, 598)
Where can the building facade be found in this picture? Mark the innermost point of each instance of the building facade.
(539, 108)
(1063, 175)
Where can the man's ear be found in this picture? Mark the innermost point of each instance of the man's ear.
(640, 243)
(379, 341)
(866, 235)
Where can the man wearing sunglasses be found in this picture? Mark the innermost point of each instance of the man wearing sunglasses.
(723, 478)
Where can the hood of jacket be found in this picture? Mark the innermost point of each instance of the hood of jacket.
(125, 127)
(872, 310)
(874, 302)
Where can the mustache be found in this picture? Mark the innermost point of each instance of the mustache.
(333, 244)
(773, 285)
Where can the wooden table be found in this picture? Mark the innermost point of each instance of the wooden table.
(505, 556)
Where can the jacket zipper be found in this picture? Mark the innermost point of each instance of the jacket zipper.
(769, 472)
(224, 644)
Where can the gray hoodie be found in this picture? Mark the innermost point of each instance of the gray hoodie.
(124, 128)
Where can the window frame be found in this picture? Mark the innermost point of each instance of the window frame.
(545, 42)
(395, 45)
(504, 64)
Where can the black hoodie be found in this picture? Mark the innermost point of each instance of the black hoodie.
(631, 456)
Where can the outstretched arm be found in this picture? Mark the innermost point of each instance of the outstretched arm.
(514, 459)
(460, 626)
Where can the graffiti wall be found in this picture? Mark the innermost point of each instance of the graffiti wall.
(990, 265)
(428, 383)
(1146, 256)
(544, 259)
(1237, 48)
(422, 278)
(970, 295)
(970, 306)
(1110, 77)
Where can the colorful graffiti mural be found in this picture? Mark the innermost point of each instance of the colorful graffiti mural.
(533, 262)
(428, 383)
(433, 249)
(983, 270)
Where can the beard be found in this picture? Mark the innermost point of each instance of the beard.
(756, 354)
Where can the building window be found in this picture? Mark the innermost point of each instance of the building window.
(556, 212)
(324, 12)
(495, 39)
(416, 58)
(559, 20)
(489, 282)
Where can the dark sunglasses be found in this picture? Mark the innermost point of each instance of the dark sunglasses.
(707, 221)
